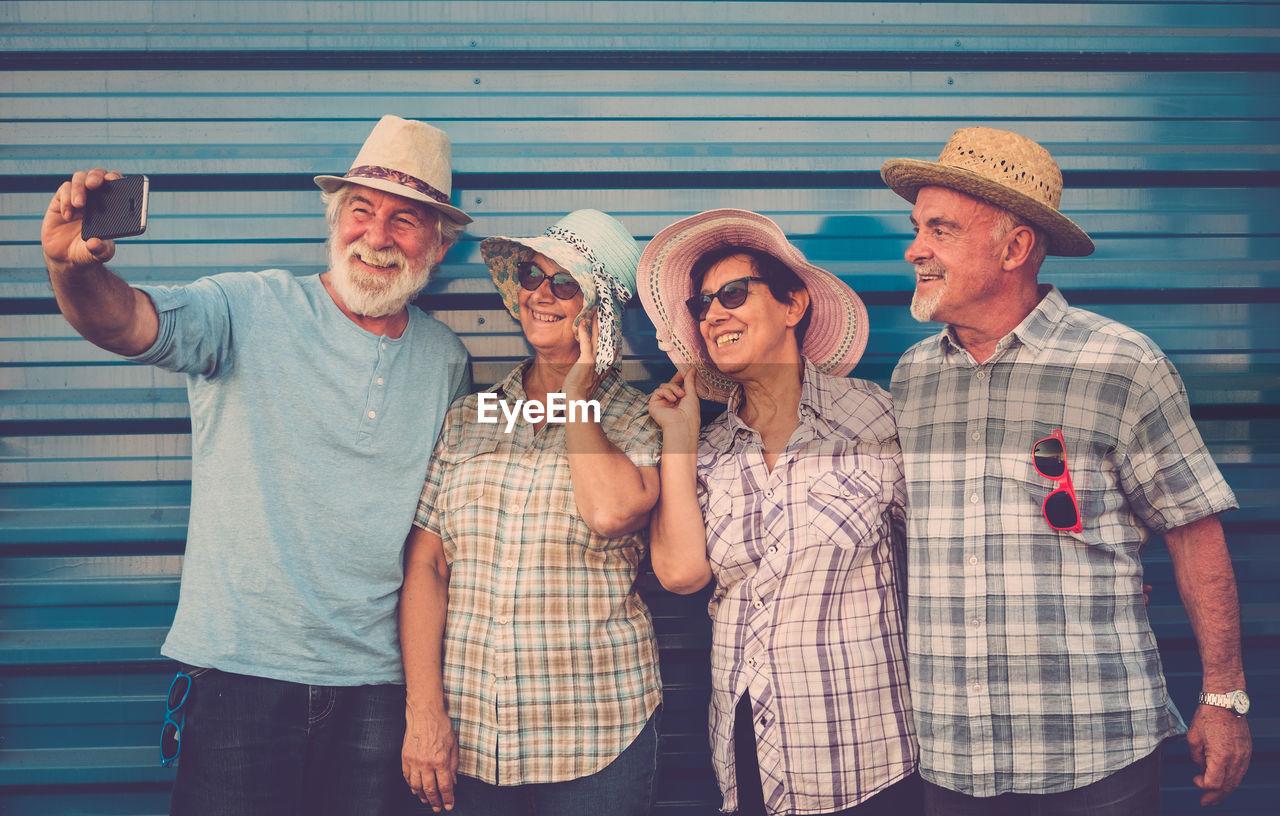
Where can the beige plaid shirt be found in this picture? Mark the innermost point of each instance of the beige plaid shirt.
(550, 661)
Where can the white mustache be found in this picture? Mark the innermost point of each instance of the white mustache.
(377, 257)
(931, 267)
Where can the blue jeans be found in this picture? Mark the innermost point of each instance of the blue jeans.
(624, 787)
(253, 746)
(1130, 791)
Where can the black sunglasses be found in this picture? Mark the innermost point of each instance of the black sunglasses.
(531, 276)
(732, 295)
(171, 730)
(1061, 510)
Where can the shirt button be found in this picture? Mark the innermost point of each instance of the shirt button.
(384, 346)
(974, 499)
(503, 620)
(769, 493)
(975, 436)
(975, 623)
(976, 687)
(759, 604)
(982, 375)
(380, 382)
(373, 414)
(509, 563)
(773, 549)
(973, 559)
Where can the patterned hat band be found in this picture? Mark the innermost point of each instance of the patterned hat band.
(610, 292)
(371, 172)
(598, 270)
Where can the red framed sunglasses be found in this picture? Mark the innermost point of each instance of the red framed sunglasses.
(1061, 510)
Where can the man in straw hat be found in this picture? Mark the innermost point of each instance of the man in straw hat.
(315, 403)
(1043, 446)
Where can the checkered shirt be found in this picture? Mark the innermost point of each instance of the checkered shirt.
(807, 610)
(550, 661)
(1033, 664)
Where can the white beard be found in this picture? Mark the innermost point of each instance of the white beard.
(924, 307)
(372, 295)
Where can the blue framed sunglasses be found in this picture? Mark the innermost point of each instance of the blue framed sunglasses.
(174, 719)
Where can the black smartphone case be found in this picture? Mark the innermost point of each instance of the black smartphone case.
(117, 209)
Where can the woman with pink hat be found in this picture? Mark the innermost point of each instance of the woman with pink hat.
(534, 527)
(792, 501)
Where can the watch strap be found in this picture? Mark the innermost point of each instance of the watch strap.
(1227, 701)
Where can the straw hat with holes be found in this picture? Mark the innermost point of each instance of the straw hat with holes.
(1001, 167)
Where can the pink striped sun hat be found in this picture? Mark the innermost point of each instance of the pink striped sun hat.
(837, 333)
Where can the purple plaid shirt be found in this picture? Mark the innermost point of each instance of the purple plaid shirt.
(807, 611)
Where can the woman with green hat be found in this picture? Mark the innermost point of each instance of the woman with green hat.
(533, 525)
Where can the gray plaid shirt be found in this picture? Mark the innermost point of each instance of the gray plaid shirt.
(1033, 665)
(806, 612)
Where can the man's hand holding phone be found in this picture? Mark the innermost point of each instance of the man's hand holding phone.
(96, 302)
(85, 215)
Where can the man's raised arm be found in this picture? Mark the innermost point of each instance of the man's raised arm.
(98, 304)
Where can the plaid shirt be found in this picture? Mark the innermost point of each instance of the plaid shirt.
(1033, 664)
(550, 661)
(807, 607)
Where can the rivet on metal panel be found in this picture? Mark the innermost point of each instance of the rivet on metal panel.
(475, 81)
(480, 320)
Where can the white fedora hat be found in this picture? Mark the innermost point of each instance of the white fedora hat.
(407, 158)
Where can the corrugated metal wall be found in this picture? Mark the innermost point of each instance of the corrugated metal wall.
(1162, 115)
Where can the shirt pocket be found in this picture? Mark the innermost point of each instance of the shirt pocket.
(727, 517)
(470, 495)
(1091, 498)
(846, 507)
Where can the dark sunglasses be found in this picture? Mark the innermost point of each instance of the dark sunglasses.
(531, 276)
(171, 730)
(732, 295)
(1061, 510)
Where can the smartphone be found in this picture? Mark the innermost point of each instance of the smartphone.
(117, 209)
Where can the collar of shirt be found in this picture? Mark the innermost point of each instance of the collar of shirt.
(1035, 331)
(816, 402)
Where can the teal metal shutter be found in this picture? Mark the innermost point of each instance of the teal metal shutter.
(1162, 114)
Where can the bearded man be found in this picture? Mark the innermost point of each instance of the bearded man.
(315, 404)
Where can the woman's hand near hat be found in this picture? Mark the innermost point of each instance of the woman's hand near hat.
(677, 537)
(582, 380)
(612, 494)
(674, 405)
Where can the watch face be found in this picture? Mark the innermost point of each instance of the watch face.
(1240, 702)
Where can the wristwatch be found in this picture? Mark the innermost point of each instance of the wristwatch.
(1236, 701)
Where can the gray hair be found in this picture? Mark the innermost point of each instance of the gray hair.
(1007, 221)
(448, 231)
